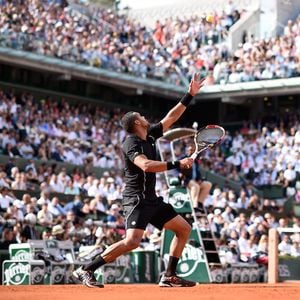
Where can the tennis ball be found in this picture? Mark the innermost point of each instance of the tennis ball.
(209, 18)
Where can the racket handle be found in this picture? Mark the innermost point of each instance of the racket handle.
(194, 155)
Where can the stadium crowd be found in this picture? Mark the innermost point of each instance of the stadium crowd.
(75, 134)
(265, 156)
(174, 48)
(87, 137)
(90, 137)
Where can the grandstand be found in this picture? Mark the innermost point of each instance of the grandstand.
(69, 71)
(177, 47)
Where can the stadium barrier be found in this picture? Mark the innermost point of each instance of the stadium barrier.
(22, 162)
(38, 262)
(52, 262)
(274, 191)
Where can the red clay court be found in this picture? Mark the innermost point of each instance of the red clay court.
(288, 291)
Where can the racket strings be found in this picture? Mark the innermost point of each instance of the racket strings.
(209, 136)
(203, 144)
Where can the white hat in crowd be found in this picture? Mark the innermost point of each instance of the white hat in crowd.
(216, 192)
(57, 229)
(30, 218)
(18, 203)
(115, 206)
(217, 211)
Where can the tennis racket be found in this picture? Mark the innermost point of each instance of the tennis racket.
(207, 137)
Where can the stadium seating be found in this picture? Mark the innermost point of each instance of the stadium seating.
(193, 44)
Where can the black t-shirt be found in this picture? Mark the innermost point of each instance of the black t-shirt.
(137, 182)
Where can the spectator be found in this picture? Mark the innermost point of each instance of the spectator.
(20, 182)
(113, 214)
(7, 238)
(44, 199)
(4, 181)
(243, 200)
(26, 150)
(71, 189)
(295, 249)
(29, 230)
(6, 198)
(233, 253)
(16, 210)
(55, 208)
(44, 216)
(249, 251)
(227, 215)
(75, 206)
(56, 186)
(285, 246)
(97, 206)
(263, 244)
(58, 233)
(290, 175)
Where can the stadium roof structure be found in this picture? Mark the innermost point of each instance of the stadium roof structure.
(228, 92)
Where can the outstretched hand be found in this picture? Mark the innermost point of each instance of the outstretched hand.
(196, 84)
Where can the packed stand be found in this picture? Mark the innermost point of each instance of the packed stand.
(97, 37)
(273, 58)
(86, 220)
(76, 134)
(91, 137)
(245, 239)
(198, 46)
(93, 217)
(104, 39)
(195, 44)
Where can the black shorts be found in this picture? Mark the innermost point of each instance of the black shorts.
(139, 213)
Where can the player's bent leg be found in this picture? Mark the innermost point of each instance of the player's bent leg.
(130, 242)
(182, 230)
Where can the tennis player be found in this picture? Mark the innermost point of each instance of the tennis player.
(141, 206)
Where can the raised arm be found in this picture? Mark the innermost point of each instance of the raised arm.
(176, 112)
